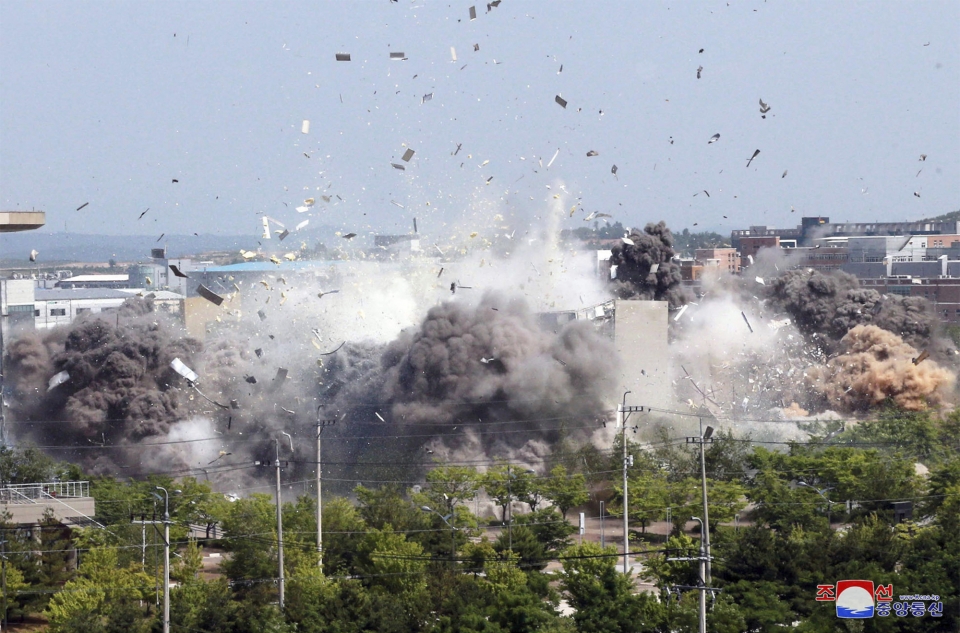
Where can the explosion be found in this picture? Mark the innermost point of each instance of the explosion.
(646, 268)
(875, 365)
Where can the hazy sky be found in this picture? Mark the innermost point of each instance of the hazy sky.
(108, 102)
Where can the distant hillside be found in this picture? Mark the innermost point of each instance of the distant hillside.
(83, 247)
(953, 216)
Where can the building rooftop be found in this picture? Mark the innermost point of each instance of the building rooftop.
(88, 278)
(66, 294)
(11, 221)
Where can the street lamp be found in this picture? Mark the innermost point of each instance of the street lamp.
(820, 491)
(453, 531)
(703, 582)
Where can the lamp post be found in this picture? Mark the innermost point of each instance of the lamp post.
(706, 437)
(703, 589)
(453, 531)
(821, 492)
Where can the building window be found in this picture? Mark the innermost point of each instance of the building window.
(36, 313)
(58, 312)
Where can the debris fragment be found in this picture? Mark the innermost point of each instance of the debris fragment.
(473, 13)
(280, 377)
(82, 205)
(398, 166)
(301, 225)
(177, 365)
(398, 56)
(592, 153)
(262, 315)
(680, 313)
(426, 97)
(555, 154)
(784, 174)
(714, 139)
(334, 351)
(177, 272)
(760, 281)
(764, 108)
(266, 229)
(750, 160)
(349, 236)
(251, 379)
(209, 295)
(613, 170)
(343, 57)
(407, 155)
(924, 355)
(305, 127)
(746, 321)
(284, 234)
(58, 379)
(33, 255)
(699, 70)
(561, 101)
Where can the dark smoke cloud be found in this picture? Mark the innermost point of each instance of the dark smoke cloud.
(827, 306)
(493, 362)
(634, 277)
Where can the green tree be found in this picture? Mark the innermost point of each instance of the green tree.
(505, 484)
(450, 486)
(565, 490)
(343, 530)
(602, 596)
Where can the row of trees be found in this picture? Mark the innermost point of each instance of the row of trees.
(388, 565)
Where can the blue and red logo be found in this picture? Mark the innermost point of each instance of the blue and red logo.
(855, 599)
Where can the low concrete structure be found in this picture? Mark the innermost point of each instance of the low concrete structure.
(11, 221)
(69, 502)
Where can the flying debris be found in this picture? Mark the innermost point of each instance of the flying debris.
(561, 101)
(343, 57)
(750, 160)
(33, 255)
(680, 313)
(191, 376)
(82, 205)
(57, 380)
(473, 13)
(924, 355)
(764, 108)
(334, 351)
(453, 54)
(266, 229)
(407, 155)
(280, 377)
(555, 154)
(747, 322)
(209, 295)
(328, 292)
(262, 315)
(284, 234)
(305, 127)
(399, 166)
(713, 139)
(397, 56)
(251, 379)
(699, 70)
(144, 213)
(760, 281)
(916, 193)
(627, 241)
(301, 225)
(613, 170)
(592, 153)
(923, 157)
(784, 174)
(177, 272)
(349, 236)
(426, 97)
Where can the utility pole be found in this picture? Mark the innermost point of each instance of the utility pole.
(602, 542)
(280, 519)
(706, 437)
(625, 412)
(701, 586)
(166, 559)
(3, 563)
(321, 424)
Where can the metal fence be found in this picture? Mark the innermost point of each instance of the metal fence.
(31, 493)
